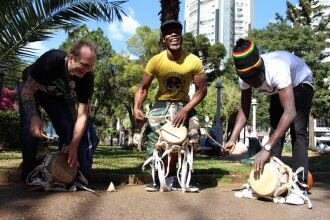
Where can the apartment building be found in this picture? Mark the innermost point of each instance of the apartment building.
(219, 20)
(244, 19)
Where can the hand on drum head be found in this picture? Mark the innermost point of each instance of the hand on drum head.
(180, 118)
(260, 159)
(72, 155)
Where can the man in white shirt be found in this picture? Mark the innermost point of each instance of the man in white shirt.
(288, 80)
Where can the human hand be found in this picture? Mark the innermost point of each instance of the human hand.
(139, 116)
(72, 155)
(36, 127)
(259, 159)
(180, 118)
(229, 147)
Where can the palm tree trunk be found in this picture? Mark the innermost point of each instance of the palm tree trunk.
(169, 10)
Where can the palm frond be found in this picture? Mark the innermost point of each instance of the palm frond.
(169, 10)
(23, 22)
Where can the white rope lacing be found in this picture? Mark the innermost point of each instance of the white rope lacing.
(185, 167)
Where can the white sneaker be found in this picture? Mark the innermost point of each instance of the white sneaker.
(296, 197)
(192, 189)
(151, 188)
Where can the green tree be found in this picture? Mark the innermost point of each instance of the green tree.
(216, 53)
(127, 76)
(230, 103)
(144, 44)
(26, 21)
(189, 43)
(307, 12)
(211, 55)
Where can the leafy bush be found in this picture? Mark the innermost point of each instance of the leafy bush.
(9, 128)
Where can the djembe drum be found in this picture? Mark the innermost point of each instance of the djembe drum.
(173, 135)
(272, 179)
(57, 169)
(53, 170)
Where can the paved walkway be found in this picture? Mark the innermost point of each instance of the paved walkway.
(132, 202)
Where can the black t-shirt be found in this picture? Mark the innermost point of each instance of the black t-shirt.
(49, 70)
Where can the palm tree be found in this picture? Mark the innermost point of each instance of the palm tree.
(26, 21)
(169, 10)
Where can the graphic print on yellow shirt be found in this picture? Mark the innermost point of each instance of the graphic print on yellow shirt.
(174, 77)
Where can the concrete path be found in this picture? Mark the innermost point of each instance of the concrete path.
(132, 202)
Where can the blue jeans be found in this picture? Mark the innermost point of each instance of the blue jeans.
(303, 95)
(59, 114)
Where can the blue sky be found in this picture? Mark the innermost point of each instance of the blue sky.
(145, 12)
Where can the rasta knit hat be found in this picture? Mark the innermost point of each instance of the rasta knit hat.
(247, 60)
(170, 24)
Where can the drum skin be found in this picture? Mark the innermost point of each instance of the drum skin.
(61, 170)
(265, 181)
(173, 135)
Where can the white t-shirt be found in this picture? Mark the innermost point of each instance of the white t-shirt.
(282, 69)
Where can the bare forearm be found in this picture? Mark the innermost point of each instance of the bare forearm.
(240, 122)
(243, 114)
(28, 103)
(282, 127)
(139, 98)
(78, 131)
(201, 91)
(197, 98)
(27, 97)
(80, 125)
(286, 97)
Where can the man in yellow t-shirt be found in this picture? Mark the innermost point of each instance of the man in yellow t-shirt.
(175, 69)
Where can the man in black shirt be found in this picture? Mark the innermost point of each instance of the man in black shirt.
(62, 84)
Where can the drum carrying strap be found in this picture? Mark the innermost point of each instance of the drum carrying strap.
(185, 164)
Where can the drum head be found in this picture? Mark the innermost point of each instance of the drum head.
(174, 135)
(61, 170)
(266, 181)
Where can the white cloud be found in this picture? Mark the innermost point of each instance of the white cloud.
(125, 28)
(115, 32)
(129, 25)
(132, 57)
(38, 47)
(131, 11)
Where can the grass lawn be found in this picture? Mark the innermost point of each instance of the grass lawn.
(114, 160)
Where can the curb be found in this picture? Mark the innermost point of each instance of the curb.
(199, 179)
(138, 179)
(8, 177)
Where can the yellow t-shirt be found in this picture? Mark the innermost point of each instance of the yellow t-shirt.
(174, 77)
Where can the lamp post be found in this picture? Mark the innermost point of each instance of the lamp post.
(254, 118)
(207, 120)
(217, 128)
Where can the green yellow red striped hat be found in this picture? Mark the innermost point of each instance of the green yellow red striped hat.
(247, 60)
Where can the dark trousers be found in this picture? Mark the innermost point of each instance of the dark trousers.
(303, 95)
(60, 115)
